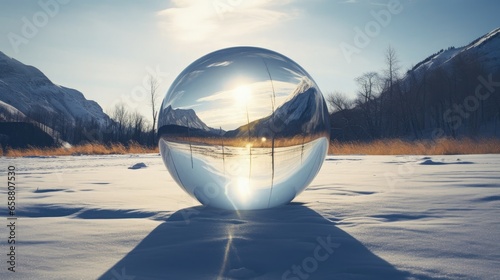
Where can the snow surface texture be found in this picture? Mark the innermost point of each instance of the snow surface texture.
(363, 217)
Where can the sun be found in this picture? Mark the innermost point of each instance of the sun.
(242, 95)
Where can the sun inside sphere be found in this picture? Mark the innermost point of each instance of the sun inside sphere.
(243, 128)
(242, 94)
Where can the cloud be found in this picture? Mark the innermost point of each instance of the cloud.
(220, 64)
(195, 21)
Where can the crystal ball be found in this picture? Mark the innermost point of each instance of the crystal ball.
(243, 128)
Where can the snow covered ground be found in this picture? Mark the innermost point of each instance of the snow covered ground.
(363, 217)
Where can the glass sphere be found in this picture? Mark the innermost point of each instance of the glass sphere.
(243, 128)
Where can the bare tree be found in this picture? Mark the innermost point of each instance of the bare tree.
(388, 97)
(339, 102)
(367, 86)
(138, 125)
(153, 94)
(119, 114)
(392, 70)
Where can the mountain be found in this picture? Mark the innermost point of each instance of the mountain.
(455, 92)
(484, 50)
(296, 116)
(27, 90)
(181, 117)
(177, 119)
(452, 93)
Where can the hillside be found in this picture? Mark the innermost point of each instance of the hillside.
(452, 93)
(485, 50)
(26, 92)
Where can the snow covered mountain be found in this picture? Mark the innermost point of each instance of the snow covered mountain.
(176, 120)
(181, 117)
(452, 93)
(296, 116)
(28, 90)
(300, 105)
(485, 49)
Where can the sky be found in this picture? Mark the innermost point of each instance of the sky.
(107, 49)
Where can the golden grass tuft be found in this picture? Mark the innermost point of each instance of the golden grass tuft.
(443, 146)
(85, 149)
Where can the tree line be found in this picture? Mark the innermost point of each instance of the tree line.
(459, 100)
(124, 126)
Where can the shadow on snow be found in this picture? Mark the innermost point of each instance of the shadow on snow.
(289, 242)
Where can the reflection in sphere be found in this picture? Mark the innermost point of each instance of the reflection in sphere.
(243, 128)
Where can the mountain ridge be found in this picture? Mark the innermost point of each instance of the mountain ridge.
(30, 91)
(451, 93)
(490, 58)
(184, 118)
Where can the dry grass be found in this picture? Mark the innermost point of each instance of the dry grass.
(86, 149)
(444, 146)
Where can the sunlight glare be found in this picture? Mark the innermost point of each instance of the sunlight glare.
(242, 95)
(243, 187)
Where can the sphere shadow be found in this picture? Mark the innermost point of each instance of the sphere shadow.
(288, 242)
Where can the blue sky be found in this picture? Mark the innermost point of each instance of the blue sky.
(106, 48)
